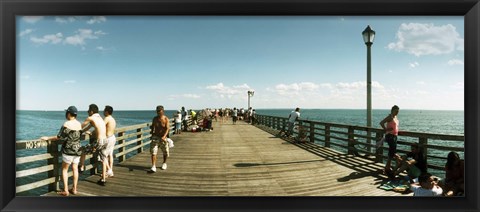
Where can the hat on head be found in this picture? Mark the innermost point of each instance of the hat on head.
(72, 110)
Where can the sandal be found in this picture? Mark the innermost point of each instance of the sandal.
(73, 192)
(63, 193)
(81, 169)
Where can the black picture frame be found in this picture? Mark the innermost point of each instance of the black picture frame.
(470, 9)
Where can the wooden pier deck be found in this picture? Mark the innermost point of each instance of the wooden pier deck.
(242, 160)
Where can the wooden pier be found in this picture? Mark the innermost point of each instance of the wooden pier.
(242, 160)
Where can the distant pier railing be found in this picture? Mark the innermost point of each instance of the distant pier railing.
(360, 139)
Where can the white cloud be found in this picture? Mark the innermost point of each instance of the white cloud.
(25, 32)
(53, 38)
(80, 37)
(455, 62)
(220, 88)
(69, 81)
(32, 19)
(64, 20)
(421, 83)
(191, 96)
(427, 39)
(414, 64)
(100, 32)
(421, 93)
(296, 88)
(357, 85)
(97, 19)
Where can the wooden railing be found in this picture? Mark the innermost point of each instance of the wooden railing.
(43, 169)
(360, 140)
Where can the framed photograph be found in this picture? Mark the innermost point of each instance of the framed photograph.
(60, 53)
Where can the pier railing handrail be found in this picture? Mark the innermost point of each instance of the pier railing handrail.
(131, 140)
(348, 138)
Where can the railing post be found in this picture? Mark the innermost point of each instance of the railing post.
(121, 149)
(423, 142)
(351, 141)
(312, 132)
(369, 139)
(379, 150)
(52, 148)
(139, 142)
(327, 135)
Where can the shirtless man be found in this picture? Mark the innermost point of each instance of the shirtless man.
(100, 134)
(160, 128)
(110, 124)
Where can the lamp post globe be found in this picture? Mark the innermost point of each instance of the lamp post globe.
(250, 94)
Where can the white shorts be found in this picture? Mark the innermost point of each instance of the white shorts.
(110, 144)
(68, 159)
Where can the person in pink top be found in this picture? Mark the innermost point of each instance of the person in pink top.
(391, 130)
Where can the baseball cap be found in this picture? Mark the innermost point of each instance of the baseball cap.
(72, 110)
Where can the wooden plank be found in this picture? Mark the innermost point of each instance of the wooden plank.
(33, 171)
(33, 158)
(34, 185)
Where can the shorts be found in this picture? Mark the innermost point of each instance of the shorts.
(290, 128)
(69, 159)
(110, 144)
(178, 125)
(102, 149)
(156, 143)
(414, 172)
(392, 145)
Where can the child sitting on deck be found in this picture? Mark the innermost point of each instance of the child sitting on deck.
(426, 186)
(302, 135)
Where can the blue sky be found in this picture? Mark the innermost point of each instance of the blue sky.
(136, 63)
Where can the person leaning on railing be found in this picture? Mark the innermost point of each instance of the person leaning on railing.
(70, 134)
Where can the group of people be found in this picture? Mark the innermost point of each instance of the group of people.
(102, 142)
(415, 165)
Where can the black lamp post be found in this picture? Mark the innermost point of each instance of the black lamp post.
(368, 36)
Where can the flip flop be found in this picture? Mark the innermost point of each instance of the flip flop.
(73, 192)
(63, 193)
(386, 187)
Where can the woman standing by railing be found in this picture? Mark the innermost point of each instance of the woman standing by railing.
(391, 135)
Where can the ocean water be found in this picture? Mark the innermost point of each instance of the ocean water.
(32, 125)
(425, 121)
